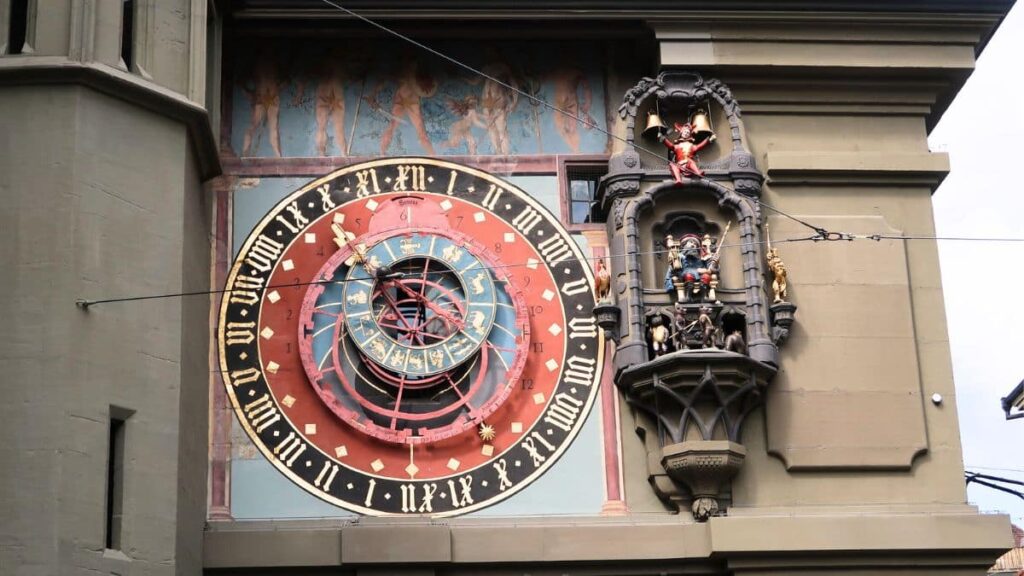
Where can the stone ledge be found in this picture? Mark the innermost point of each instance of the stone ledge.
(131, 88)
(748, 538)
(925, 168)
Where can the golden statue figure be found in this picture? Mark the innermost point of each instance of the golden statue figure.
(778, 269)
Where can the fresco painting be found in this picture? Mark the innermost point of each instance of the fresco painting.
(350, 99)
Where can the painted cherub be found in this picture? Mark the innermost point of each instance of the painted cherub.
(462, 129)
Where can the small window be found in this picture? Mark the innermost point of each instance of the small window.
(127, 32)
(115, 477)
(582, 181)
(17, 26)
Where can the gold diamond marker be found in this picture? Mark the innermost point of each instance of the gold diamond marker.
(341, 451)
(288, 401)
(310, 429)
(272, 367)
(267, 333)
(274, 296)
(538, 398)
(412, 470)
(454, 464)
(487, 450)
(377, 465)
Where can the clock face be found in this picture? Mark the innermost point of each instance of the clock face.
(410, 336)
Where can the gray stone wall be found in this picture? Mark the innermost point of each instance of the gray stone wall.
(101, 200)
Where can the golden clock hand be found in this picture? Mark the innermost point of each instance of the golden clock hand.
(344, 238)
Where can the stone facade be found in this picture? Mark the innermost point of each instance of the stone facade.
(113, 176)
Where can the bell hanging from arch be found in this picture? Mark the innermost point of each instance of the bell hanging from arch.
(654, 125)
(701, 125)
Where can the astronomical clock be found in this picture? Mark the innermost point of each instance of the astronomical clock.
(410, 336)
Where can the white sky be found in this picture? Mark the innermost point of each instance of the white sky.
(983, 282)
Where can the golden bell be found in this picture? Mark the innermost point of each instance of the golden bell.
(701, 125)
(654, 125)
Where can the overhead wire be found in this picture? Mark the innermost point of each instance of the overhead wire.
(83, 303)
(994, 482)
(821, 233)
(818, 229)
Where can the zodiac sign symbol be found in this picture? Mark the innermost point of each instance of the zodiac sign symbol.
(415, 362)
(477, 283)
(477, 322)
(452, 253)
(408, 246)
(436, 358)
(378, 349)
(398, 358)
(357, 297)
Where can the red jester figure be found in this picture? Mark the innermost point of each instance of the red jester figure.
(684, 149)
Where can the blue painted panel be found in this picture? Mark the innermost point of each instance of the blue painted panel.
(371, 99)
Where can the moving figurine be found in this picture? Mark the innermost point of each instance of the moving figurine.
(659, 336)
(684, 150)
(604, 282)
(693, 266)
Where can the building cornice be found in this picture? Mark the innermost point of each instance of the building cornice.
(32, 70)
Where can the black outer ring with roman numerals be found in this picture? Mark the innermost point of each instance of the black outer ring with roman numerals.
(328, 478)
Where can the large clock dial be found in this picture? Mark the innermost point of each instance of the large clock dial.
(410, 336)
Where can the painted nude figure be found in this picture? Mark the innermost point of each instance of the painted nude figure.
(411, 87)
(461, 131)
(329, 102)
(498, 103)
(265, 95)
(572, 94)
(684, 151)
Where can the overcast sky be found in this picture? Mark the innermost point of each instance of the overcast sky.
(983, 282)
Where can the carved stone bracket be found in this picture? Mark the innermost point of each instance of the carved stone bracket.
(694, 403)
(783, 314)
